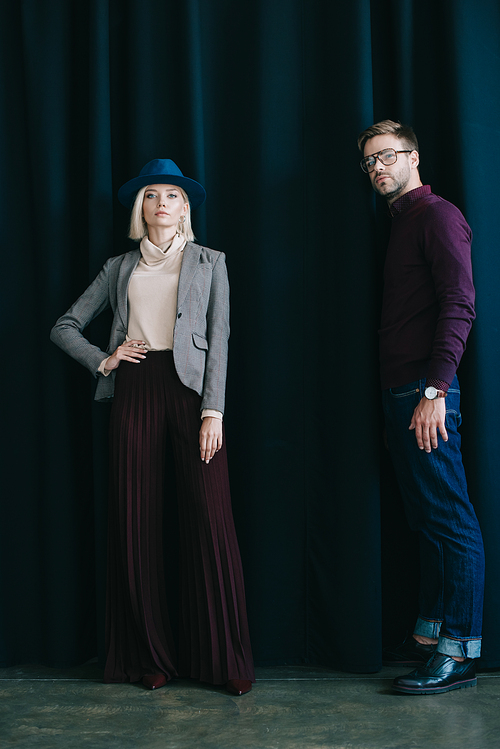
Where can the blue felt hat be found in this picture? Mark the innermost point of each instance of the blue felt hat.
(164, 172)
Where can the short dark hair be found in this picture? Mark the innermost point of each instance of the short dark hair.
(389, 127)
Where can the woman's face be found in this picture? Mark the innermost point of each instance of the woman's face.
(163, 206)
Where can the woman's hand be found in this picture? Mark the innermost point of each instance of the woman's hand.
(132, 351)
(210, 437)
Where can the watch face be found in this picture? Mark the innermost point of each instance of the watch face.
(431, 393)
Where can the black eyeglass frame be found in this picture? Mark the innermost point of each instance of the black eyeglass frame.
(376, 156)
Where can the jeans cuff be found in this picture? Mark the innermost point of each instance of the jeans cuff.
(424, 628)
(459, 648)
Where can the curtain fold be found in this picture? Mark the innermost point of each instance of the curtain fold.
(262, 102)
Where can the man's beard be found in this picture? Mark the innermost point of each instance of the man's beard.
(398, 183)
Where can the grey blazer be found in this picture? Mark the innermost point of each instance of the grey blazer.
(201, 329)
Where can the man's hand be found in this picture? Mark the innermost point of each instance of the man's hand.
(428, 418)
(210, 437)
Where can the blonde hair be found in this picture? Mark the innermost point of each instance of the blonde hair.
(138, 227)
(389, 127)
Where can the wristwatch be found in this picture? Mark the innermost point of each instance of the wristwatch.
(431, 393)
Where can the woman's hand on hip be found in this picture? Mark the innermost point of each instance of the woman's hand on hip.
(132, 351)
(210, 437)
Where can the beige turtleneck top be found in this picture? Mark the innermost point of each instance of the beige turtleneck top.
(152, 299)
(152, 294)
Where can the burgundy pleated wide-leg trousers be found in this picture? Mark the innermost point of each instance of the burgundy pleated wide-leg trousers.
(153, 412)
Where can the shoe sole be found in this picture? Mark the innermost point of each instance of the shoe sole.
(437, 690)
(403, 663)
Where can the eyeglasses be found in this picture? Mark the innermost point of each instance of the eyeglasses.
(386, 157)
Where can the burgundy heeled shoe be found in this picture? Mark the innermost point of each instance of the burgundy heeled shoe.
(238, 686)
(154, 681)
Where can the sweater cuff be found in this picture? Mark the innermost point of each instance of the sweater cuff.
(211, 412)
(102, 368)
(438, 384)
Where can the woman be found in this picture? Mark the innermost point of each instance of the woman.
(165, 369)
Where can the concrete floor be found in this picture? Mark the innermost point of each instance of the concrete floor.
(289, 707)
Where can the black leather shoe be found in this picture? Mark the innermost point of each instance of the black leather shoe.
(408, 653)
(440, 674)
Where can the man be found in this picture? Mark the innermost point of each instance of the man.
(427, 313)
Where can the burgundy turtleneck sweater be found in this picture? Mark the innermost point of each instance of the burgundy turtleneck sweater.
(428, 301)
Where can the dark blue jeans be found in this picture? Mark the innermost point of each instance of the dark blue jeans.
(437, 505)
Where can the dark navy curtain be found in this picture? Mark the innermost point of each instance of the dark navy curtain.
(262, 102)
